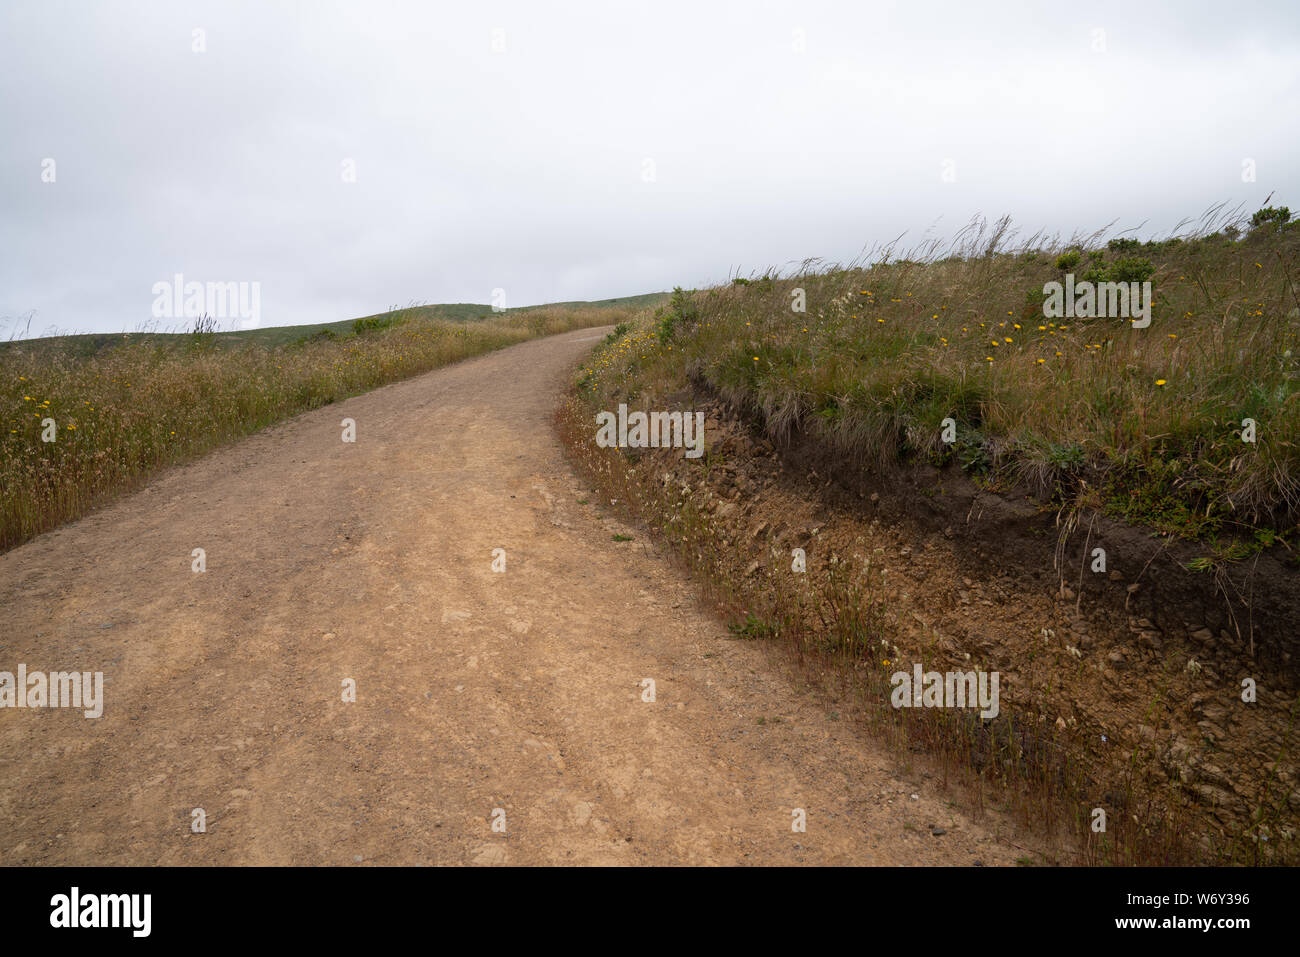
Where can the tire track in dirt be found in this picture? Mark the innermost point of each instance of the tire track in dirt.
(475, 690)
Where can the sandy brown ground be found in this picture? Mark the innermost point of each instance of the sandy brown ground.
(476, 690)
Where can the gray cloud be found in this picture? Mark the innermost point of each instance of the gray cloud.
(523, 169)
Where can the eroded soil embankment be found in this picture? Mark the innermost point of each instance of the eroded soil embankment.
(1138, 669)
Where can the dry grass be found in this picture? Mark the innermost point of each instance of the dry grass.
(132, 409)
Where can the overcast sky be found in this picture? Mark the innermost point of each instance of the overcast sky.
(590, 150)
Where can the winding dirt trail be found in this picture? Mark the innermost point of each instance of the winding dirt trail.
(475, 690)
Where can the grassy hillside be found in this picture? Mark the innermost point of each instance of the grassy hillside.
(86, 418)
(1145, 423)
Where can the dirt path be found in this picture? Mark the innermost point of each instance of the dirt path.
(475, 690)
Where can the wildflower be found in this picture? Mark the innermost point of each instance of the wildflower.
(1160, 381)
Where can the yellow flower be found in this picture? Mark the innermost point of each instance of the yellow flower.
(1160, 381)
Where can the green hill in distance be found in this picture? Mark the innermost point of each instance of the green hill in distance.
(84, 345)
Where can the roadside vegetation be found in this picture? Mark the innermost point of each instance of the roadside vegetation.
(1143, 424)
(122, 407)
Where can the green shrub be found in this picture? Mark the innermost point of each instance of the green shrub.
(373, 323)
(1270, 215)
(1131, 269)
(681, 311)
